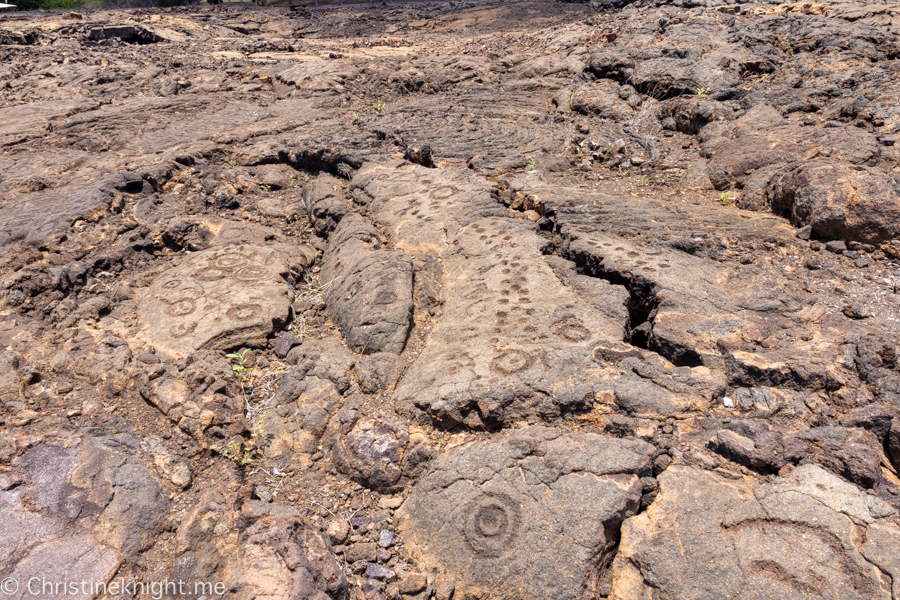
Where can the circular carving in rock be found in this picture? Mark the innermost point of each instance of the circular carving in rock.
(247, 274)
(443, 193)
(492, 524)
(172, 284)
(212, 274)
(228, 262)
(235, 234)
(511, 361)
(244, 312)
(183, 329)
(571, 328)
(181, 308)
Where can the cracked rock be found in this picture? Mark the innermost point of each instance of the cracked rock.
(708, 537)
(533, 514)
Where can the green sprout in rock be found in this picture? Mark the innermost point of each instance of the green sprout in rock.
(579, 149)
(725, 198)
(701, 92)
(379, 108)
(531, 163)
(643, 180)
(241, 370)
(242, 454)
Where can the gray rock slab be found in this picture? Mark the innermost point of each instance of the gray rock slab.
(531, 515)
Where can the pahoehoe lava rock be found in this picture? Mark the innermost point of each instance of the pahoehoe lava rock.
(369, 292)
(74, 514)
(533, 514)
(496, 285)
(801, 536)
(541, 299)
(220, 298)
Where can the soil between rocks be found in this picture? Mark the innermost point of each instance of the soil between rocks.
(453, 300)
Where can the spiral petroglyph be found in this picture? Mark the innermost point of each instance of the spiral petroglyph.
(492, 513)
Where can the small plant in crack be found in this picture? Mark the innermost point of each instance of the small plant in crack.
(295, 224)
(643, 180)
(701, 92)
(579, 149)
(242, 453)
(379, 108)
(530, 164)
(240, 368)
(726, 198)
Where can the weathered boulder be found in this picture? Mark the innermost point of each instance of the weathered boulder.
(852, 452)
(369, 289)
(840, 201)
(377, 372)
(691, 114)
(285, 557)
(668, 76)
(293, 432)
(74, 514)
(324, 203)
(603, 98)
(752, 148)
(371, 452)
(531, 515)
(708, 537)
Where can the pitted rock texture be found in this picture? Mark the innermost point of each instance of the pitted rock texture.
(512, 340)
(801, 536)
(530, 515)
(219, 299)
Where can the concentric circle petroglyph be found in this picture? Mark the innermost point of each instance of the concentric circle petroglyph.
(511, 361)
(219, 297)
(244, 312)
(492, 524)
(181, 308)
(571, 328)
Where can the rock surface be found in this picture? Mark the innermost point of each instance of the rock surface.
(370, 290)
(218, 299)
(453, 300)
(707, 536)
(531, 514)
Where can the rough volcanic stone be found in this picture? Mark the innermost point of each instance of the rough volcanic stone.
(76, 514)
(512, 339)
(840, 200)
(707, 537)
(371, 451)
(530, 515)
(284, 343)
(853, 453)
(324, 203)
